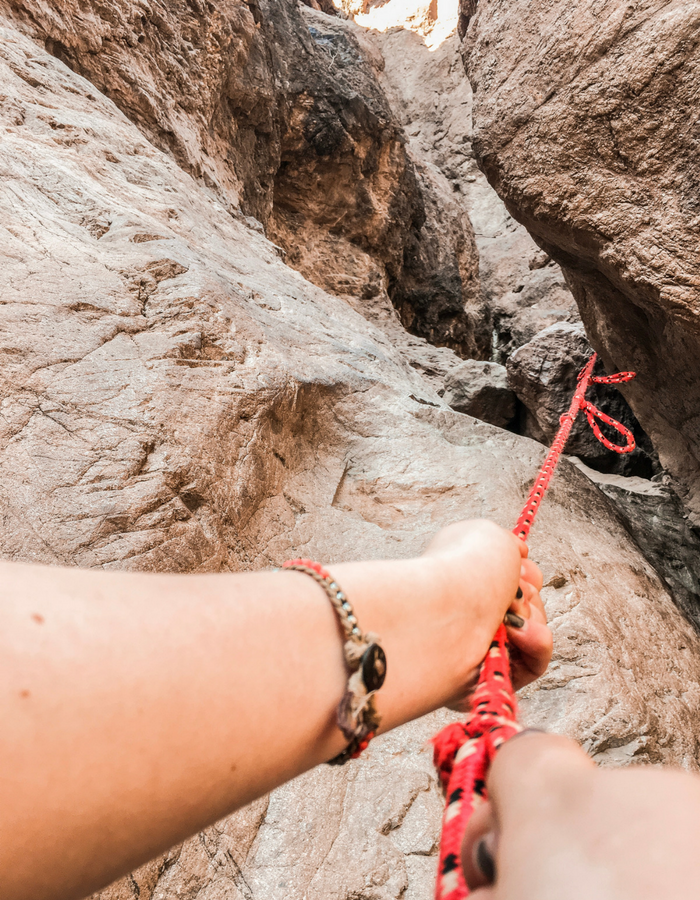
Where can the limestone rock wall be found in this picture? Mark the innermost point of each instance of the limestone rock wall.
(175, 397)
(586, 124)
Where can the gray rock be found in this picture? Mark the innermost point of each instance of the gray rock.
(481, 389)
(521, 290)
(543, 374)
(654, 516)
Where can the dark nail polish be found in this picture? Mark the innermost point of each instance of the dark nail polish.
(519, 595)
(527, 731)
(514, 620)
(485, 861)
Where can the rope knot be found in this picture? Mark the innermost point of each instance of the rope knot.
(593, 413)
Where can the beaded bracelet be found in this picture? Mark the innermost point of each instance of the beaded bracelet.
(357, 714)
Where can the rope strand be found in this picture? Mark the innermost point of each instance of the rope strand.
(463, 751)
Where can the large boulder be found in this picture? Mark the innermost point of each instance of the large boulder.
(481, 389)
(176, 398)
(585, 124)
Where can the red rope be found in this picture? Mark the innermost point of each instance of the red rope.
(464, 751)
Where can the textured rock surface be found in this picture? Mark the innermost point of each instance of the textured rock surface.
(586, 124)
(347, 186)
(522, 290)
(543, 374)
(654, 516)
(277, 109)
(174, 397)
(481, 389)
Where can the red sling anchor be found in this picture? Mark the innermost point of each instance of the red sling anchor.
(463, 751)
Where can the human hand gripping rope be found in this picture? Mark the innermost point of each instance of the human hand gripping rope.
(464, 751)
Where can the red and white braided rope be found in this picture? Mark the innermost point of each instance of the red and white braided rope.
(463, 751)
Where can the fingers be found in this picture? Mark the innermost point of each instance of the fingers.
(558, 827)
(532, 642)
(532, 647)
(523, 547)
(479, 837)
(495, 564)
(531, 573)
(526, 601)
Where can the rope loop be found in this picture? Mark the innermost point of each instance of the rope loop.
(618, 378)
(593, 413)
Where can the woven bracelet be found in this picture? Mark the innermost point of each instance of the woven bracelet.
(357, 714)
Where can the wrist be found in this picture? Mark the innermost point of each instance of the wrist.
(365, 663)
(410, 605)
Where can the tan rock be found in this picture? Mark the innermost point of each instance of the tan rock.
(174, 397)
(276, 109)
(359, 216)
(584, 124)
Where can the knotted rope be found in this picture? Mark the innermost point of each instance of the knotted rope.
(464, 751)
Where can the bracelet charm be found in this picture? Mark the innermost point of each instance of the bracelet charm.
(365, 660)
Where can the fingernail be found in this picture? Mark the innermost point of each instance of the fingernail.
(519, 595)
(485, 861)
(514, 620)
(527, 731)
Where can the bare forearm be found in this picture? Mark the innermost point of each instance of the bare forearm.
(143, 707)
(139, 708)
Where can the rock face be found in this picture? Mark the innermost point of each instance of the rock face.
(522, 290)
(356, 214)
(543, 374)
(654, 516)
(586, 125)
(481, 389)
(175, 397)
(282, 117)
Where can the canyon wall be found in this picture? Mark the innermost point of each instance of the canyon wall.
(586, 124)
(177, 397)
(282, 118)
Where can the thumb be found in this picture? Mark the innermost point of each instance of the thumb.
(532, 783)
(533, 775)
